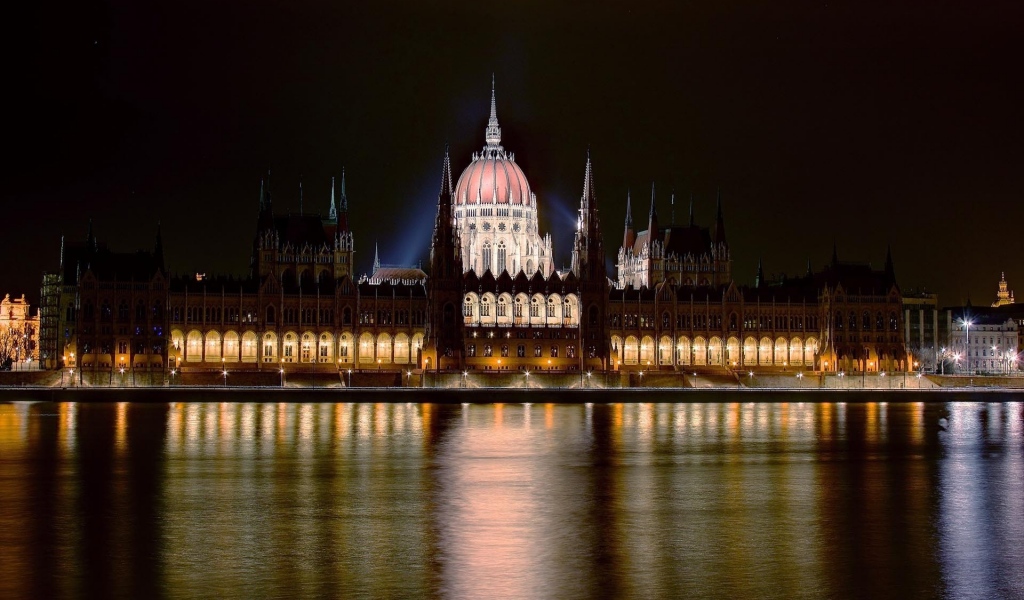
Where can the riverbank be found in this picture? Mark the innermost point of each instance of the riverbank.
(503, 395)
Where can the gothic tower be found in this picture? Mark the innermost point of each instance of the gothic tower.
(442, 348)
(588, 265)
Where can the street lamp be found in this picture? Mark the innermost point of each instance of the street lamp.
(225, 377)
(282, 377)
(967, 327)
(350, 378)
(465, 376)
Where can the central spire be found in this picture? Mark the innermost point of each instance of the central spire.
(492, 135)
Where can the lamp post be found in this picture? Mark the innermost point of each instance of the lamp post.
(967, 327)
(350, 378)
(465, 377)
(282, 377)
(122, 374)
(527, 373)
(408, 379)
(225, 377)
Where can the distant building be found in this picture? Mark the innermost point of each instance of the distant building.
(106, 309)
(923, 329)
(49, 320)
(19, 331)
(1004, 296)
(984, 342)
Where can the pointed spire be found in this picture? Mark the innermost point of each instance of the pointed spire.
(265, 192)
(62, 252)
(691, 209)
(653, 214)
(628, 235)
(809, 271)
(672, 210)
(835, 255)
(332, 214)
(653, 231)
(759, 278)
(300, 195)
(376, 257)
(344, 196)
(446, 174)
(492, 135)
(588, 182)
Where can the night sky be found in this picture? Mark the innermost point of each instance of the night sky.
(820, 122)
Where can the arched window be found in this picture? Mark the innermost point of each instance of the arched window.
(269, 346)
(866, 321)
(892, 322)
(270, 314)
(249, 347)
(346, 316)
(853, 321)
(486, 257)
(122, 311)
(194, 346)
(839, 320)
(502, 266)
(140, 312)
(231, 346)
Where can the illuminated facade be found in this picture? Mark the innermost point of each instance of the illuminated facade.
(690, 256)
(1004, 296)
(19, 331)
(496, 212)
(492, 301)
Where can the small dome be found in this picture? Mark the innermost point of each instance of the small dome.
(492, 178)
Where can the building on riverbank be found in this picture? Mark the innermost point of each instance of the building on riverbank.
(491, 302)
(19, 333)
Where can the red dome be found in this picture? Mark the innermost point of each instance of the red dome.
(494, 178)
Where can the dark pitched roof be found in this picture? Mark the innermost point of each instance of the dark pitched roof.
(299, 230)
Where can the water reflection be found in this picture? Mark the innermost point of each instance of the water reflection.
(737, 500)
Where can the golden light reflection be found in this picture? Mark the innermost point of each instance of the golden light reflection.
(121, 427)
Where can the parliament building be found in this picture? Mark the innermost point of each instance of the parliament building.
(490, 300)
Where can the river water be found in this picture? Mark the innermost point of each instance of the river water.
(783, 500)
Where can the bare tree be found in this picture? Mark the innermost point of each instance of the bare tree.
(11, 342)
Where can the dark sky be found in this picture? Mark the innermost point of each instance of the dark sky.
(862, 123)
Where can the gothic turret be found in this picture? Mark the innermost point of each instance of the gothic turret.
(629, 235)
(652, 220)
(588, 250)
(332, 210)
(443, 347)
(890, 271)
(492, 135)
